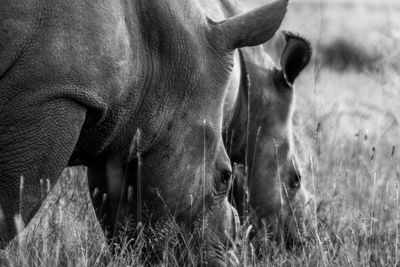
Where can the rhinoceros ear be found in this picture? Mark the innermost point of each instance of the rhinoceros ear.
(251, 28)
(295, 56)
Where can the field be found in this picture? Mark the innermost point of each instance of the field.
(348, 138)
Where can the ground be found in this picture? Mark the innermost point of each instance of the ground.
(347, 135)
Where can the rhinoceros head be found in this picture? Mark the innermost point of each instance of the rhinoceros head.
(276, 191)
(187, 172)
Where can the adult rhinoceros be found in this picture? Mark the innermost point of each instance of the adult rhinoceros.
(101, 83)
(257, 129)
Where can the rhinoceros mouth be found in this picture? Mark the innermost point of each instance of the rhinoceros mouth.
(287, 232)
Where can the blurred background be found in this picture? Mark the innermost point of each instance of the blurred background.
(356, 61)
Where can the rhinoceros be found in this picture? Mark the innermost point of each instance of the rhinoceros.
(258, 135)
(257, 129)
(133, 90)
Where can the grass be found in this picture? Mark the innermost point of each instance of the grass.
(348, 139)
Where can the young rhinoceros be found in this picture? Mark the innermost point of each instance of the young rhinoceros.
(258, 134)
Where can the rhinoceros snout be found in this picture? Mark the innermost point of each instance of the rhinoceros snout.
(306, 204)
(222, 237)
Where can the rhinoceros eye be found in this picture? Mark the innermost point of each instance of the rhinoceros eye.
(226, 177)
(224, 183)
(294, 180)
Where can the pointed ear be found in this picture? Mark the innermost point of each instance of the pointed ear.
(251, 28)
(295, 56)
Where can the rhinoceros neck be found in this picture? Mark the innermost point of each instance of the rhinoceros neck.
(161, 35)
(236, 129)
(172, 32)
(241, 129)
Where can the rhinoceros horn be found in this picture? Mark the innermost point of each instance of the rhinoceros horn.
(251, 28)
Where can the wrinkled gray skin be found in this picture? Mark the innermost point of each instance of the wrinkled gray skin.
(257, 130)
(80, 79)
